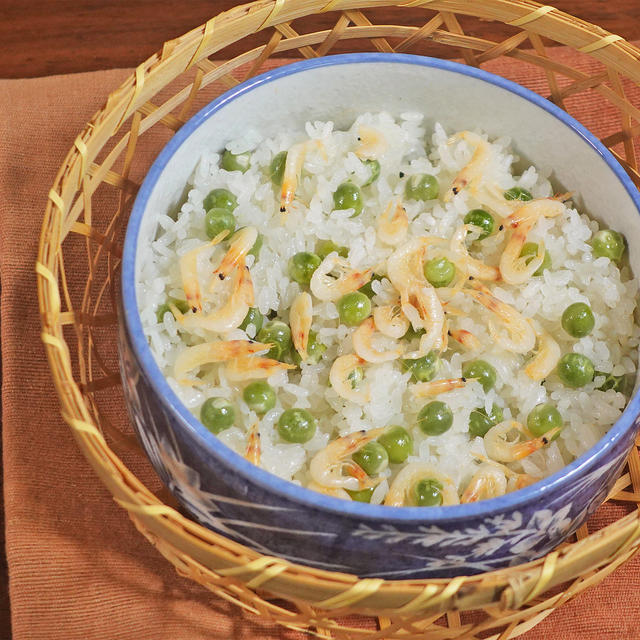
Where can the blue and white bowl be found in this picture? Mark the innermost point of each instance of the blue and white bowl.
(221, 489)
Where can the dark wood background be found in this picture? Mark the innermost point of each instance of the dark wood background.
(46, 37)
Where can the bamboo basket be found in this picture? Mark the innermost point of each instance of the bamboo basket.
(82, 232)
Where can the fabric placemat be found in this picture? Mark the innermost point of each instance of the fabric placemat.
(78, 569)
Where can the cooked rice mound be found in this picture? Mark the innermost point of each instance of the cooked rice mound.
(409, 148)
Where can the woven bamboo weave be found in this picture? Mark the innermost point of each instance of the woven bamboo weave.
(102, 172)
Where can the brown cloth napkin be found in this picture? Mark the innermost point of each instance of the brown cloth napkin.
(78, 569)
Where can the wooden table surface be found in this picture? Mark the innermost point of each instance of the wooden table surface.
(46, 37)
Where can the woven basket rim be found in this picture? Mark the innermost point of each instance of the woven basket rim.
(147, 510)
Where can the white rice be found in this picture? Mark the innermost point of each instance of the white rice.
(575, 276)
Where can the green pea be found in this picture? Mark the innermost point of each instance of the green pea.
(315, 350)
(276, 168)
(398, 443)
(439, 272)
(577, 320)
(481, 371)
(259, 396)
(277, 333)
(575, 370)
(374, 171)
(481, 219)
(218, 220)
(355, 376)
(354, 308)
(348, 196)
(217, 414)
(435, 418)
(531, 249)
(325, 247)
(296, 425)
(608, 243)
(543, 418)
(427, 493)
(367, 289)
(220, 199)
(622, 384)
(257, 245)
(373, 458)
(422, 186)
(235, 161)
(424, 368)
(518, 193)
(302, 265)
(364, 495)
(480, 421)
(253, 317)
(412, 333)
(180, 305)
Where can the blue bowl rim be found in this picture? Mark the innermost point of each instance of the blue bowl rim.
(285, 488)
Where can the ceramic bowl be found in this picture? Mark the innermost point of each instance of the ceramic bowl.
(223, 491)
